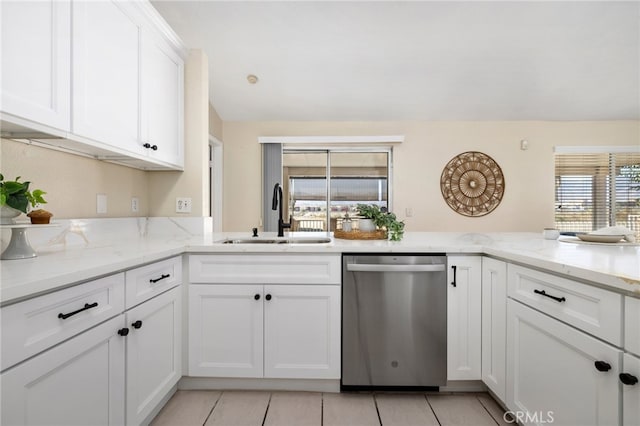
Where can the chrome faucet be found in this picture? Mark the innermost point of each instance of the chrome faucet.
(276, 203)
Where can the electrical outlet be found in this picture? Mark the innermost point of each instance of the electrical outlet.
(408, 211)
(135, 205)
(183, 205)
(101, 203)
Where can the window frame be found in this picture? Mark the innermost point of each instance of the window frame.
(329, 149)
(607, 195)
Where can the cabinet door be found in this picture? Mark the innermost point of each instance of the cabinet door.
(36, 61)
(79, 382)
(302, 331)
(162, 97)
(494, 325)
(464, 317)
(153, 353)
(225, 330)
(631, 392)
(106, 89)
(552, 372)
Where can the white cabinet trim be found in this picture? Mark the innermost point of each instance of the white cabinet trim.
(265, 269)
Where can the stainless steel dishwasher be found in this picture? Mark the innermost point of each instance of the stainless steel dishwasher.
(394, 321)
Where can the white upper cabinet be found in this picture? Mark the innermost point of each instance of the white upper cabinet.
(36, 61)
(162, 95)
(105, 78)
(106, 69)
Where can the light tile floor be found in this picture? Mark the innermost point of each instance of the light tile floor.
(256, 408)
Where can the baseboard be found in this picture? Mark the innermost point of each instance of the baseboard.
(213, 383)
(464, 386)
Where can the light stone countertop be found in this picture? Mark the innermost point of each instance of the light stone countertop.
(616, 267)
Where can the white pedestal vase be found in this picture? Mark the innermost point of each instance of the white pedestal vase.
(8, 215)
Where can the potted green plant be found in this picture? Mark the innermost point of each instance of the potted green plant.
(382, 219)
(15, 198)
(370, 213)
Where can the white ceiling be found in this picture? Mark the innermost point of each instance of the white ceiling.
(392, 60)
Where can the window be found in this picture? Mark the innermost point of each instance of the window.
(356, 176)
(594, 190)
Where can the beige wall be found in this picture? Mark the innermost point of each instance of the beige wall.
(72, 182)
(193, 182)
(528, 201)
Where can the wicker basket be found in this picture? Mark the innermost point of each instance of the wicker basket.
(359, 235)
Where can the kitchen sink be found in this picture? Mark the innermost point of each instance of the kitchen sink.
(303, 240)
(299, 240)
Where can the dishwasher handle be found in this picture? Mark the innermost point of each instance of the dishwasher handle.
(357, 267)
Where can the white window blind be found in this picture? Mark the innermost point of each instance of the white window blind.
(597, 190)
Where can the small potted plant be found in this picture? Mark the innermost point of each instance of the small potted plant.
(370, 214)
(15, 198)
(382, 219)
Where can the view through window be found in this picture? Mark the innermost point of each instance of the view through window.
(315, 204)
(597, 190)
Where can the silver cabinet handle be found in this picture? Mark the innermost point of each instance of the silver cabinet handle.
(355, 267)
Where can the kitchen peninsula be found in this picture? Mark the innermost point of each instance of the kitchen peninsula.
(616, 267)
(588, 296)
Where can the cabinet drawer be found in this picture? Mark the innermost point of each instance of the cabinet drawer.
(36, 324)
(594, 310)
(147, 281)
(265, 269)
(632, 325)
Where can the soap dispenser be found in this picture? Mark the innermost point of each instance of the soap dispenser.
(346, 223)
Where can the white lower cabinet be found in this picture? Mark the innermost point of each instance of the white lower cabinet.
(464, 317)
(494, 325)
(302, 331)
(79, 382)
(630, 378)
(93, 362)
(153, 357)
(273, 331)
(558, 374)
(225, 330)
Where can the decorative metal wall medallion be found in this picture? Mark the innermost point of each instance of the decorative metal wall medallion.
(472, 184)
